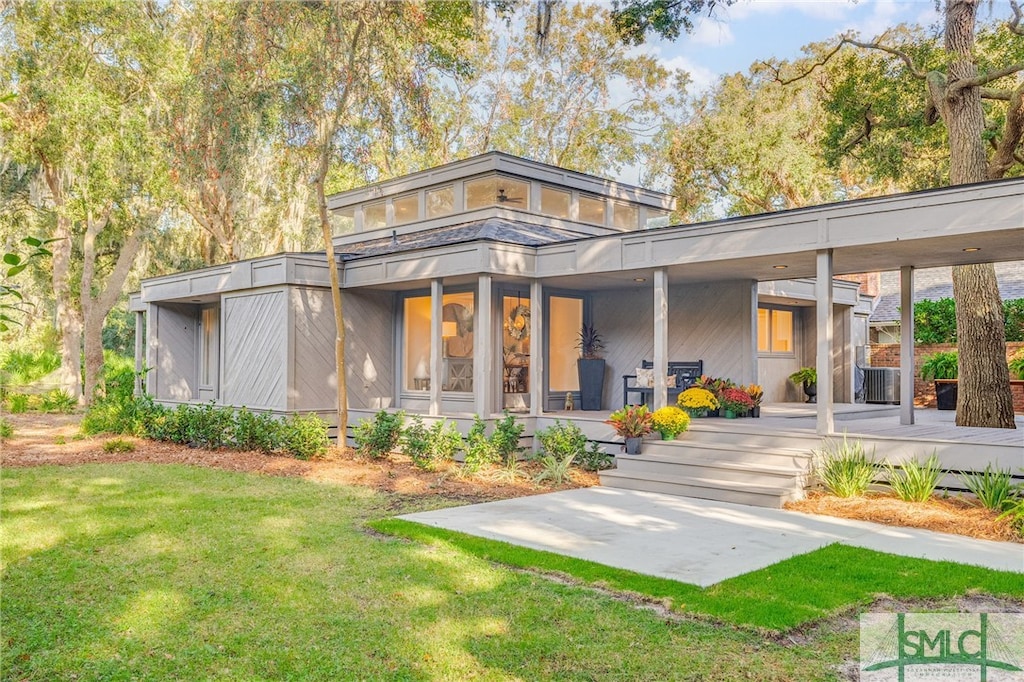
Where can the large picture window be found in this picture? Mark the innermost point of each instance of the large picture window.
(565, 322)
(775, 331)
(457, 337)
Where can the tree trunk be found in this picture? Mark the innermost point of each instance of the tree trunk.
(93, 339)
(984, 397)
(339, 308)
(68, 320)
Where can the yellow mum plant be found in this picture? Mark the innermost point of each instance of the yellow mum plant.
(670, 421)
(697, 400)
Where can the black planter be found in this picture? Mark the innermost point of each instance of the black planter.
(945, 394)
(591, 373)
(632, 445)
(811, 391)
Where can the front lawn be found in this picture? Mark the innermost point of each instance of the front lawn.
(134, 571)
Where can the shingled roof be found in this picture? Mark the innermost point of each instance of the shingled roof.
(488, 229)
(931, 284)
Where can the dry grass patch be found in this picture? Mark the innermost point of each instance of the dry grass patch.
(945, 515)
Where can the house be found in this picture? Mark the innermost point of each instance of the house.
(931, 284)
(465, 287)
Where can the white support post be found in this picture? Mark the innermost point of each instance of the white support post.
(824, 296)
(436, 347)
(483, 354)
(906, 345)
(536, 349)
(140, 319)
(660, 337)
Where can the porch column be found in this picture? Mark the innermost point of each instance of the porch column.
(906, 345)
(536, 348)
(483, 353)
(436, 346)
(824, 296)
(140, 320)
(660, 397)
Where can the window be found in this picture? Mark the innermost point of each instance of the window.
(407, 208)
(625, 216)
(591, 210)
(656, 218)
(440, 201)
(554, 202)
(497, 190)
(457, 337)
(343, 221)
(775, 331)
(374, 216)
(209, 346)
(565, 317)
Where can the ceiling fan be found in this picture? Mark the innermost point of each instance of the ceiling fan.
(505, 199)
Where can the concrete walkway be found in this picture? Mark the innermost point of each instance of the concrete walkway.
(694, 541)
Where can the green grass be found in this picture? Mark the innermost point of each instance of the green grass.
(150, 572)
(782, 596)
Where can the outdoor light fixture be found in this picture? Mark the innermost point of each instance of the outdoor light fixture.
(639, 279)
(972, 249)
(780, 267)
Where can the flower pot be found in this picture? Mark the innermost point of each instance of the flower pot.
(945, 394)
(591, 375)
(755, 411)
(632, 446)
(729, 414)
(811, 391)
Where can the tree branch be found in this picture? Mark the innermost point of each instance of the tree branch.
(1016, 25)
(985, 79)
(877, 45)
(821, 62)
(1013, 133)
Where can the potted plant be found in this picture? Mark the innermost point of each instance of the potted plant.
(715, 385)
(808, 378)
(670, 421)
(736, 402)
(756, 394)
(590, 367)
(942, 368)
(697, 402)
(632, 422)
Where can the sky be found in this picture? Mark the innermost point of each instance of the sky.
(750, 30)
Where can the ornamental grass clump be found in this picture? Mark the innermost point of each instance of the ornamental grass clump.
(697, 401)
(914, 482)
(845, 469)
(670, 421)
(994, 488)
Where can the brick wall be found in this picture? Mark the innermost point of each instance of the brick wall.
(888, 355)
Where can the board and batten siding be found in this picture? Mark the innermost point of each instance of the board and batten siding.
(713, 322)
(172, 351)
(370, 349)
(255, 349)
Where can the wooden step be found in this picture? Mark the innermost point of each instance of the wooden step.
(702, 488)
(685, 464)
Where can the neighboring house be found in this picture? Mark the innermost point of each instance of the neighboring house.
(931, 284)
(465, 288)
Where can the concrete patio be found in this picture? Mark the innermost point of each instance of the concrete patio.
(694, 541)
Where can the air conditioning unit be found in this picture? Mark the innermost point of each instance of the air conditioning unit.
(882, 385)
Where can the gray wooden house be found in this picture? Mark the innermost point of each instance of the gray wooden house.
(466, 286)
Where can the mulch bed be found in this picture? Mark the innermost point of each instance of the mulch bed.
(52, 439)
(955, 515)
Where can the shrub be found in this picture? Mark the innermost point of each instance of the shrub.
(428, 446)
(379, 437)
(1016, 364)
(6, 429)
(670, 421)
(257, 431)
(935, 321)
(505, 439)
(18, 403)
(119, 445)
(1013, 315)
(845, 469)
(416, 442)
(205, 425)
(305, 437)
(993, 487)
(445, 441)
(479, 448)
(565, 440)
(58, 400)
(118, 377)
(19, 367)
(915, 482)
(555, 470)
(1014, 512)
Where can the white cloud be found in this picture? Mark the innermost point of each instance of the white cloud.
(712, 33)
(833, 10)
(701, 77)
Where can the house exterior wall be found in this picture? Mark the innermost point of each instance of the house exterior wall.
(371, 365)
(843, 353)
(254, 342)
(173, 329)
(313, 382)
(712, 322)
